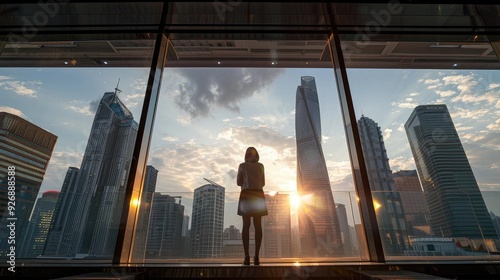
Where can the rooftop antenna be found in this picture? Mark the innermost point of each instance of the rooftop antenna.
(117, 90)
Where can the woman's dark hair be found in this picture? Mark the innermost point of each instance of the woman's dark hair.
(251, 155)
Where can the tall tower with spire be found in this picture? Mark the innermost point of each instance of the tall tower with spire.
(94, 214)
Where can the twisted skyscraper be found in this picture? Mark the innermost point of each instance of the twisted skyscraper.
(318, 221)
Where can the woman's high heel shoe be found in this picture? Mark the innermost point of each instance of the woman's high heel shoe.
(246, 261)
(256, 260)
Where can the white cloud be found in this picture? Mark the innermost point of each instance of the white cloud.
(79, 106)
(468, 114)
(401, 127)
(11, 110)
(409, 105)
(184, 165)
(170, 139)
(465, 83)
(139, 85)
(445, 93)
(459, 127)
(19, 87)
(430, 81)
(402, 163)
(387, 134)
(492, 86)
(414, 94)
(494, 126)
(490, 97)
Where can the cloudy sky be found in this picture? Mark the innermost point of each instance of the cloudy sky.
(206, 118)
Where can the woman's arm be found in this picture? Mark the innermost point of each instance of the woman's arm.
(263, 175)
(239, 177)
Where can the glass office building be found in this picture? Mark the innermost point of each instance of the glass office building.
(206, 80)
(457, 208)
(318, 221)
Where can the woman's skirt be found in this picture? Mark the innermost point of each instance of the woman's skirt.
(252, 203)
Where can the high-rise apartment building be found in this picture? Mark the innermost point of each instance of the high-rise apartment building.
(94, 214)
(390, 213)
(143, 221)
(414, 204)
(277, 228)
(456, 206)
(207, 221)
(165, 227)
(38, 226)
(318, 221)
(25, 149)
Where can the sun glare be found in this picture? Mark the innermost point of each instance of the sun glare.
(294, 200)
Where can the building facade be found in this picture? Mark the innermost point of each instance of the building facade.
(414, 204)
(146, 204)
(456, 206)
(277, 227)
(35, 235)
(165, 227)
(26, 150)
(390, 213)
(318, 222)
(55, 238)
(345, 229)
(94, 215)
(207, 221)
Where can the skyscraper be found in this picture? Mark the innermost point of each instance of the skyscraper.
(207, 221)
(456, 206)
(390, 213)
(143, 221)
(416, 211)
(277, 227)
(94, 213)
(345, 230)
(318, 221)
(55, 238)
(38, 226)
(26, 148)
(165, 227)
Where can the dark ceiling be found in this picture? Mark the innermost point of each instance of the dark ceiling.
(249, 34)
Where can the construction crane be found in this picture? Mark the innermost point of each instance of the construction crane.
(212, 182)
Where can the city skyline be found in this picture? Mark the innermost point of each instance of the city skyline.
(266, 118)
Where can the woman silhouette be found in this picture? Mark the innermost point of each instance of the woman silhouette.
(252, 202)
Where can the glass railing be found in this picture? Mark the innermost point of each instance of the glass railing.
(439, 225)
(204, 227)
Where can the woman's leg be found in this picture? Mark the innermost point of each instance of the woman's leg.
(245, 235)
(257, 223)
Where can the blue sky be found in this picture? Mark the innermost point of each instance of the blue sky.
(207, 117)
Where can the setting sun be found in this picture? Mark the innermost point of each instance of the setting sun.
(294, 200)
